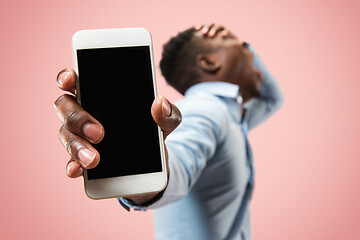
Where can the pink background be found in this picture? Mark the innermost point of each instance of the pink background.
(307, 155)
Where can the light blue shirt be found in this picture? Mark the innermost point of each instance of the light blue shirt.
(209, 165)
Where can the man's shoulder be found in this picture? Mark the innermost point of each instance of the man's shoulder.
(206, 112)
(203, 104)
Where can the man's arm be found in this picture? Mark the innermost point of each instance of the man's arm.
(271, 98)
(189, 147)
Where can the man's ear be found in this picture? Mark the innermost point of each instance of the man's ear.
(209, 63)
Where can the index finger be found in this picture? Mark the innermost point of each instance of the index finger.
(215, 29)
(206, 28)
(66, 80)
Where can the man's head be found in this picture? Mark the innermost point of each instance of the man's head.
(209, 53)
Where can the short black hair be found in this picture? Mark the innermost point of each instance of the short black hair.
(177, 59)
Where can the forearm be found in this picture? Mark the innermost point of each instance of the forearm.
(270, 100)
(189, 147)
(270, 88)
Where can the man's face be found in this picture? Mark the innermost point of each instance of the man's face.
(236, 62)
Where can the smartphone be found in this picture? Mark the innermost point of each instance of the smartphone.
(116, 84)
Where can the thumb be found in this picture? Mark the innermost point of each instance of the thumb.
(166, 115)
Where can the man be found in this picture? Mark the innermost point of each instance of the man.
(227, 92)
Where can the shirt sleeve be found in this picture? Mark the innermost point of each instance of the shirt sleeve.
(271, 98)
(189, 147)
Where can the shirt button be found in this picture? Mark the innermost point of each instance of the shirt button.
(239, 99)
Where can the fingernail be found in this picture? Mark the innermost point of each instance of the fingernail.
(166, 109)
(62, 77)
(70, 166)
(92, 131)
(86, 156)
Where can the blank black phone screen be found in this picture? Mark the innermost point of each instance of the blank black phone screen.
(116, 87)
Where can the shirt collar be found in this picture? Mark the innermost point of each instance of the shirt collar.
(222, 89)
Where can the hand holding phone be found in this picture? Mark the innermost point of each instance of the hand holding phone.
(80, 129)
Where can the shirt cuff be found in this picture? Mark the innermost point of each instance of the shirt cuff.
(128, 204)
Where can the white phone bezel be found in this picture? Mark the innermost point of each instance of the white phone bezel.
(124, 185)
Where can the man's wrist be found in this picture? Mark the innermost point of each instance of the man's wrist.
(145, 200)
